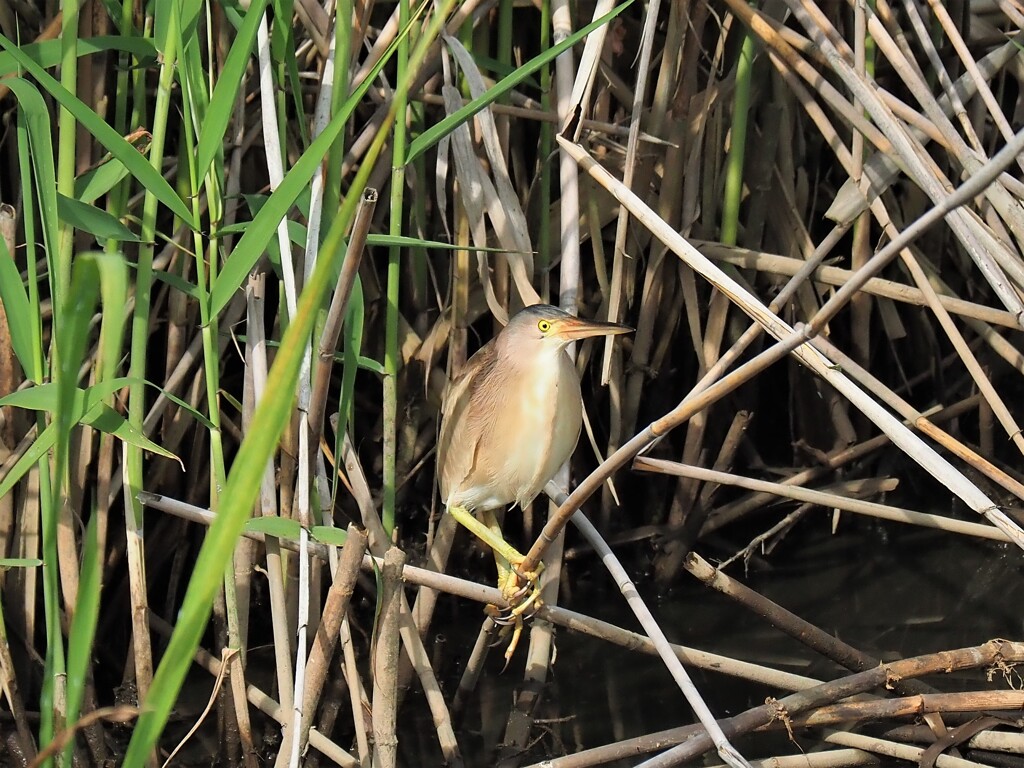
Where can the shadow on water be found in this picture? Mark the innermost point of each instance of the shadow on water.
(890, 591)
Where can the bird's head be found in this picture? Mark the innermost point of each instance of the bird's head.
(542, 326)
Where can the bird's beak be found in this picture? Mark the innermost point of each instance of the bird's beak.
(575, 328)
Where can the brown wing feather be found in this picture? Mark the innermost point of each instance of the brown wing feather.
(460, 434)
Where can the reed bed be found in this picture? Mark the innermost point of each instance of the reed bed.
(244, 247)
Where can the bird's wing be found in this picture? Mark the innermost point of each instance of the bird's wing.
(457, 387)
(454, 456)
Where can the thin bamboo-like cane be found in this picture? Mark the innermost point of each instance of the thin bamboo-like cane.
(892, 749)
(268, 497)
(830, 500)
(912, 156)
(914, 446)
(559, 616)
(385, 662)
(946, 661)
(264, 702)
(335, 610)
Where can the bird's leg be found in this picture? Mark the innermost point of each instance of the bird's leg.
(507, 579)
(508, 559)
(520, 598)
(490, 537)
(508, 583)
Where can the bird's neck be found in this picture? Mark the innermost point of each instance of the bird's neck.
(540, 363)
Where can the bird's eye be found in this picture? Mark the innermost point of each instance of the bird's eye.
(544, 326)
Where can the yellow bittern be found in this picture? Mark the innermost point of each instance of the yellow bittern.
(509, 421)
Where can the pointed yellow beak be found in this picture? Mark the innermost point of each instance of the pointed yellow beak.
(574, 328)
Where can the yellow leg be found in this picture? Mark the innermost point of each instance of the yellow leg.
(506, 576)
(507, 559)
(490, 537)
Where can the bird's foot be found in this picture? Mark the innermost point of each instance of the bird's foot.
(521, 591)
(509, 622)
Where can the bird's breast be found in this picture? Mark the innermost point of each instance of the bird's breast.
(545, 425)
(505, 436)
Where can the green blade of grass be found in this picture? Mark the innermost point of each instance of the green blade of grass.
(114, 143)
(327, 534)
(47, 53)
(32, 456)
(106, 419)
(224, 93)
(83, 626)
(87, 407)
(281, 527)
(99, 180)
(405, 241)
(19, 313)
(20, 562)
(251, 246)
(243, 485)
(37, 122)
(434, 134)
(91, 219)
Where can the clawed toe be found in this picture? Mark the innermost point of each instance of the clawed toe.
(529, 587)
(505, 617)
(522, 593)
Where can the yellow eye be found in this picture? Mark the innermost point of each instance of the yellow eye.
(544, 326)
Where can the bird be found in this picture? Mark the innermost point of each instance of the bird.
(508, 422)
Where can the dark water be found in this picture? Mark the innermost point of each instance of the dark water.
(892, 591)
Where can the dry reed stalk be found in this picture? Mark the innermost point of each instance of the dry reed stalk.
(830, 500)
(693, 742)
(836, 276)
(335, 608)
(892, 749)
(911, 706)
(832, 758)
(385, 662)
(474, 667)
(256, 380)
(860, 305)
(559, 616)
(973, 733)
(263, 701)
(358, 698)
(336, 314)
(141, 667)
